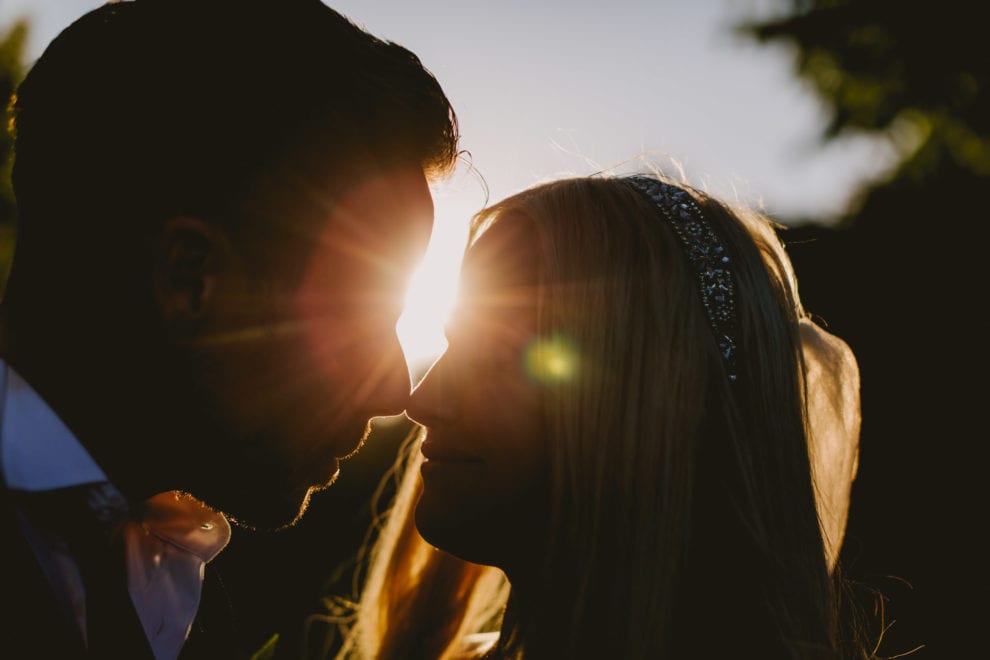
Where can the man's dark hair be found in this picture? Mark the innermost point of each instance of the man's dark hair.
(153, 108)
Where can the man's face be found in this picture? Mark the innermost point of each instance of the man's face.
(295, 372)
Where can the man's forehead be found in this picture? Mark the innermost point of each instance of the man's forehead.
(387, 213)
(402, 185)
(378, 224)
(398, 198)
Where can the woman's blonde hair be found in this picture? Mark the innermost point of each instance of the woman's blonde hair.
(683, 509)
(417, 601)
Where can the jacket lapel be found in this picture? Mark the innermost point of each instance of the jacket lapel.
(33, 624)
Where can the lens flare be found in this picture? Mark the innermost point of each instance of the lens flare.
(551, 359)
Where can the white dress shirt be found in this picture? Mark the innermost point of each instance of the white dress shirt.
(167, 542)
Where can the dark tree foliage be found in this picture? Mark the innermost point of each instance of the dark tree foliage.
(878, 63)
(11, 72)
(903, 279)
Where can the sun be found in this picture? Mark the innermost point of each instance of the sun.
(431, 294)
(432, 289)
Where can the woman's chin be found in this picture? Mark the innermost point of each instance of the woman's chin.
(456, 530)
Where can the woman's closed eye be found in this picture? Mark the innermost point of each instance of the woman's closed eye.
(483, 350)
(490, 328)
(496, 359)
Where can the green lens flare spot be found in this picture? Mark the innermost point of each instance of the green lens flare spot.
(551, 360)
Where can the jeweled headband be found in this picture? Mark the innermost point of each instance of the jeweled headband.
(707, 255)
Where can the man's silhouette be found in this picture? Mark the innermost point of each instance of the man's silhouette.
(219, 204)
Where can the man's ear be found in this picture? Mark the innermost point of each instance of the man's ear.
(189, 258)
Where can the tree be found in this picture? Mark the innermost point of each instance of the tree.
(12, 70)
(902, 279)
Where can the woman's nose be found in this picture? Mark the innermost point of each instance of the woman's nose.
(434, 401)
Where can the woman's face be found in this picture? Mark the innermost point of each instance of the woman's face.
(485, 468)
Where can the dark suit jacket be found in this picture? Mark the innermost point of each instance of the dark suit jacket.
(32, 625)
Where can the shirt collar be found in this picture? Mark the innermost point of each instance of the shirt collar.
(37, 450)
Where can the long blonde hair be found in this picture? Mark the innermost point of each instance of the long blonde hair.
(418, 601)
(679, 501)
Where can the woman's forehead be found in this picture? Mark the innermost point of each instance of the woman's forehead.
(499, 279)
(506, 254)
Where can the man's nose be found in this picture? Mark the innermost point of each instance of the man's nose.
(434, 402)
(386, 390)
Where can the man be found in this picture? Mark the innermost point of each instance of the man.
(219, 204)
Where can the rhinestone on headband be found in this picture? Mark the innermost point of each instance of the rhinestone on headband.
(707, 255)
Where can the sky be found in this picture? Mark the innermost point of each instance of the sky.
(570, 87)
(552, 88)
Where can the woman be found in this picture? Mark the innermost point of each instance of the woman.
(637, 424)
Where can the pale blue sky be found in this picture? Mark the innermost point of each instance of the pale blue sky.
(550, 88)
(553, 87)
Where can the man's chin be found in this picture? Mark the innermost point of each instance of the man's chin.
(270, 516)
(281, 511)
(287, 498)
(319, 485)
(361, 432)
